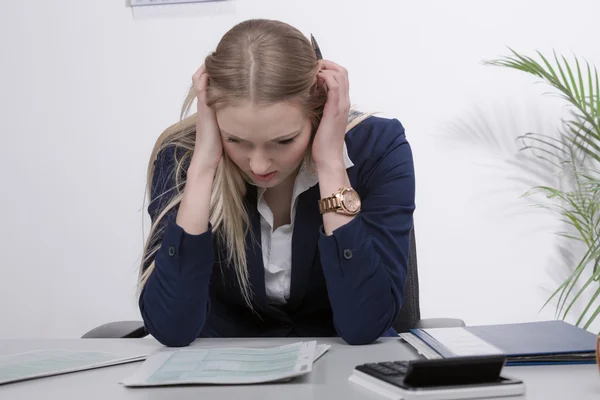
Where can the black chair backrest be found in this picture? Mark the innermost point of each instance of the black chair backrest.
(410, 312)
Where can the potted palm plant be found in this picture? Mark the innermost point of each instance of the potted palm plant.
(575, 153)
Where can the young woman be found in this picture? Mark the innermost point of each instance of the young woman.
(276, 210)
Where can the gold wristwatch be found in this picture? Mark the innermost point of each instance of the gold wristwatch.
(345, 201)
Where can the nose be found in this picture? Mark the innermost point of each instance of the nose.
(260, 163)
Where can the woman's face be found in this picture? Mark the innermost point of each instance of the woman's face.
(267, 143)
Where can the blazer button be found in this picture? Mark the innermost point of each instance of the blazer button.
(347, 254)
(171, 251)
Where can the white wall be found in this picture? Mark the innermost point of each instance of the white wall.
(86, 89)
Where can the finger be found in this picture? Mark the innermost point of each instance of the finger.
(330, 81)
(337, 95)
(201, 83)
(340, 82)
(321, 81)
(201, 96)
(333, 87)
(340, 76)
(199, 73)
(331, 66)
(200, 79)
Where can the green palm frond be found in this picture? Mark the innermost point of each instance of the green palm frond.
(575, 152)
(585, 98)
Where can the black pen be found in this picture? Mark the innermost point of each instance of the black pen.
(316, 47)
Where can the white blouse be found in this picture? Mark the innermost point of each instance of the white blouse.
(277, 245)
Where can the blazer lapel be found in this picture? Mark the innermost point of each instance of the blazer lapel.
(307, 225)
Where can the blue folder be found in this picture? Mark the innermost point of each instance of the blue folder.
(531, 343)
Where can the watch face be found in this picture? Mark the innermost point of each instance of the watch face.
(351, 201)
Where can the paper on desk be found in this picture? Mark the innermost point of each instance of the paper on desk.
(461, 342)
(320, 350)
(420, 346)
(226, 365)
(452, 342)
(41, 363)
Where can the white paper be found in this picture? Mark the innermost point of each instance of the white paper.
(320, 350)
(225, 365)
(40, 363)
(461, 342)
(420, 346)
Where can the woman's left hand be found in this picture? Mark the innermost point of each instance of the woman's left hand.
(327, 149)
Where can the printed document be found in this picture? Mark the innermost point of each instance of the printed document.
(226, 365)
(40, 363)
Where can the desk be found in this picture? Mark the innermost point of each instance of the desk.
(328, 380)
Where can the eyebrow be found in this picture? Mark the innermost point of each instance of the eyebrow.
(277, 139)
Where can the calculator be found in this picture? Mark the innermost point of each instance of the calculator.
(439, 379)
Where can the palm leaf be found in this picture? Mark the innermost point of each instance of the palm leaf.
(585, 138)
(576, 297)
(575, 152)
(571, 282)
(595, 314)
(591, 90)
(595, 276)
(597, 94)
(553, 295)
(575, 91)
(581, 85)
(565, 83)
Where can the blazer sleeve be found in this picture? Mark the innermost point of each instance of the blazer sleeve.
(365, 261)
(174, 302)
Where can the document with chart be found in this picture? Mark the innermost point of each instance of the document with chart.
(49, 362)
(226, 365)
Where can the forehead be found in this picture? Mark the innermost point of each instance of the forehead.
(252, 122)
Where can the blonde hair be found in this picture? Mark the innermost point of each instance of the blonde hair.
(260, 61)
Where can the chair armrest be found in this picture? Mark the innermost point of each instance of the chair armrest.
(429, 323)
(118, 329)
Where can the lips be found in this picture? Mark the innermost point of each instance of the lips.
(264, 177)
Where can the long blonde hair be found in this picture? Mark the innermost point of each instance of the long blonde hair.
(260, 61)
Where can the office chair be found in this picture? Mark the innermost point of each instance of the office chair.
(409, 317)
(410, 313)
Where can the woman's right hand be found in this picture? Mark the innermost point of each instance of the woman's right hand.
(194, 209)
(209, 148)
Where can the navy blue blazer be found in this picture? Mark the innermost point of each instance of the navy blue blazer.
(349, 284)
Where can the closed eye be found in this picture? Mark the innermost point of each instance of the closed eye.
(286, 141)
(283, 142)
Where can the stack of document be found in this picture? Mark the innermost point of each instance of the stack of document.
(227, 365)
(173, 367)
(530, 343)
(41, 363)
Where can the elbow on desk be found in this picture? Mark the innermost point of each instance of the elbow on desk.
(175, 342)
(172, 337)
(362, 333)
(366, 329)
(171, 324)
(359, 338)
(170, 333)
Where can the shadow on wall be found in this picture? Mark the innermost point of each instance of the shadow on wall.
(499, 135)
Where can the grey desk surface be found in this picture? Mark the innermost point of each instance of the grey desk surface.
(329, 379)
